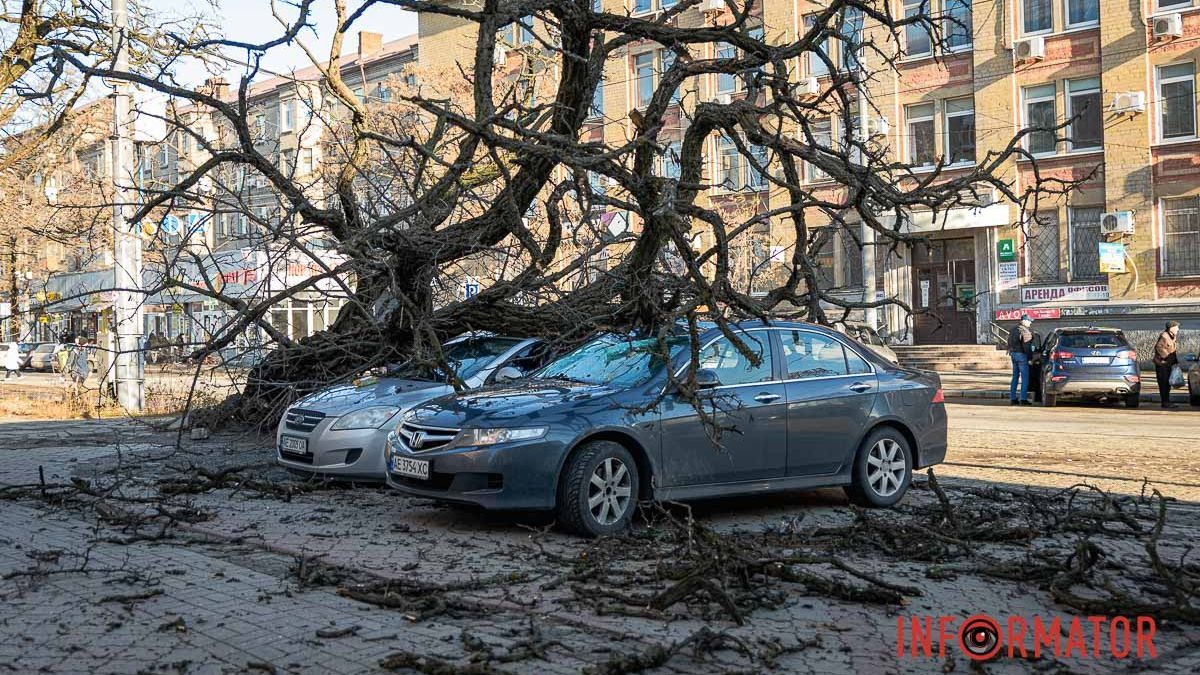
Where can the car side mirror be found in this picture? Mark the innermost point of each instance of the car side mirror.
(707, 379)
(509, 373)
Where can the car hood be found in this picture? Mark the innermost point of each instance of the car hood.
(343, 398)
(523, 403)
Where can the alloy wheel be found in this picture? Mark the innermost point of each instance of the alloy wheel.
(609, 491)
(886, 467)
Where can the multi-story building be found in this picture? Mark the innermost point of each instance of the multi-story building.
(1123, 249)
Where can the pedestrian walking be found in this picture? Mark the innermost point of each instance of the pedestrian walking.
(1166, 359)
(12, 360)
(1020, 348)
(78, 368)
(179, 348)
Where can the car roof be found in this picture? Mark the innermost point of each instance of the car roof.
(1087, 329)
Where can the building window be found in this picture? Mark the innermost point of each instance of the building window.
(1181, 236)
(957, 23)
(726, 82)
(960, 130)
(668, 161)
(917, 41)
(1085, 242)
(1177, 100)
(1037, 16)
(822, 133)
(287, 115)
(1041, 246)
(640, 6)
(757, 179)
(644, 6)
(730, 161)
(1086, 112)
(1165, 4)
(666, 59)
(1083, 12)
(920, 134)
(851, 32)
(306, 161)
(597, 108)
(1041, 118)
(643, 75)
(837, 259)
(524, 32)
(817, 64)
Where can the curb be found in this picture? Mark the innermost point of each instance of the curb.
(1146, 397)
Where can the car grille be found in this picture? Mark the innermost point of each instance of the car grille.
(303, 420)
(422, 439)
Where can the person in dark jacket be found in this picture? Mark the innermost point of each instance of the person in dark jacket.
(1020, 348)
(1166, 357)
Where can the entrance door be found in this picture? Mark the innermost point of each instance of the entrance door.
(944, 286)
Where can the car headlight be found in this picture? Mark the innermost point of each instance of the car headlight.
(477, 437)
(367, 418)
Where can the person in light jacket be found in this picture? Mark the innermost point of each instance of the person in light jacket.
(12, 360)
(1166, 357)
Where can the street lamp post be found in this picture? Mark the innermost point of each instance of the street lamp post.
(127, 267)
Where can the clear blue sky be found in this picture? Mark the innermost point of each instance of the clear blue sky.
(252, 21)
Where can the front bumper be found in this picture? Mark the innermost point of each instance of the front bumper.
(351, 454)
(510, 476)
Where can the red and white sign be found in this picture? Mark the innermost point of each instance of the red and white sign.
(1033, 312)
(1064, 293)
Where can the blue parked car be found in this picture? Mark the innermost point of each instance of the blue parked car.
(1088, 363)
(603, 427)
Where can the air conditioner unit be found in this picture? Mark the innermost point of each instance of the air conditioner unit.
(1168, 26)
(1117, 222)
(1030, 49)
(1128, 102)
(809, 86)
(500, 56)
(714, 6)
(724, 99)
(878, 127)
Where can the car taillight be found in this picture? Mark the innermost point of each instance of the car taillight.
(938, 396)
(1133, 379)
(1059, 356)
(1127, 354)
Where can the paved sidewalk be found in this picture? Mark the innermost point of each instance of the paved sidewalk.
(994, 384)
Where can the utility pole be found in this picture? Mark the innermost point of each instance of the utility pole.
(127, 306)
(867, 234)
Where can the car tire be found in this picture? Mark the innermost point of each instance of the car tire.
(1133, 400)
(604, 471)
(867, 480)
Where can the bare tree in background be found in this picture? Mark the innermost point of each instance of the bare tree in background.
(496, 173)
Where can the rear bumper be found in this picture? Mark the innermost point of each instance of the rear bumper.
(931, 446)
(1092, 387)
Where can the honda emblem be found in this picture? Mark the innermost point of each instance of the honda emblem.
(418, 439)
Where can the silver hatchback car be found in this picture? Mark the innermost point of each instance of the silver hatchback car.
(340, 432)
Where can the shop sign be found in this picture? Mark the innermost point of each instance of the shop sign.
(1006, 251)
(1035, 313)
(1008, 276)
(1112, 257)
(1064, 293)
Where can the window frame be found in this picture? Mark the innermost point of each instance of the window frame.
(810, 57)
(1029, 253)
(757, 333)
(287, 115)
(1164, 267)
(1066, 17)
(1026, 100)
(1159, 81)
(910, 135)
(637, 78)
(1160, 8)
(1068, 96)
(970, 27)
(847, 350)
(916, 5)
(1021, 19)
(732, 78)
(946, 115)
(1074, 277)
(812, 173)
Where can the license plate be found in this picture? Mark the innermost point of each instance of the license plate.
(1095, 360)
(407, 466)
(294, 445)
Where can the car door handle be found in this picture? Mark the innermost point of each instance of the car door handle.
(860, 387)
(766, 398)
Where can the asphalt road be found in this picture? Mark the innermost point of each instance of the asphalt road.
(1109, 446)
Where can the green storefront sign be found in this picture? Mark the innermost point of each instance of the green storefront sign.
(1006, 251)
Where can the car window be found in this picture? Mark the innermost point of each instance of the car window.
(530, 358)
(856, 365)
(1091, 341)
(734, 367)
(808, 355)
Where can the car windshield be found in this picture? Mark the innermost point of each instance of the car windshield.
(467, 357)
(1091, 341)
(613, 360)
(44, 348)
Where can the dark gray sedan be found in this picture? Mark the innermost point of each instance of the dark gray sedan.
(603, 427)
